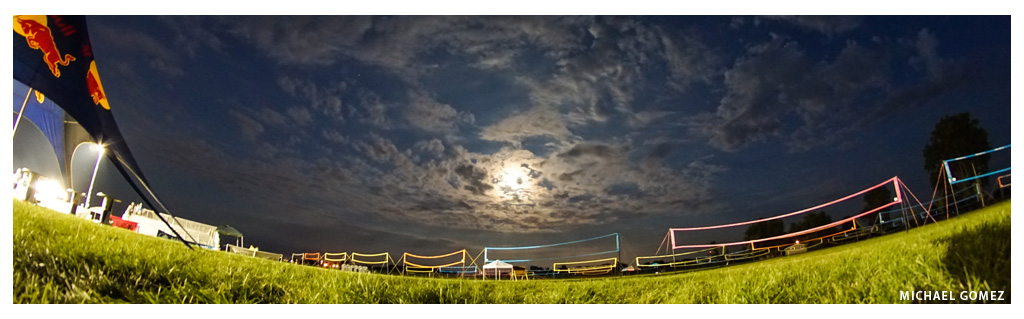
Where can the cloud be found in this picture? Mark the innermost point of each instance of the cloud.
(193, 33)
(433, 146)
(689, 60)
(538, 121)
(378, 148)
(372, 110)
(300, 115)
(158, 56)
(250, 128)
(297, 40)
(333, 136)
(321, 99)
(926, 45)
(432, 116)
(595, 150)
(778, 90)
(827, 25)
(474, 179)
(270, 117)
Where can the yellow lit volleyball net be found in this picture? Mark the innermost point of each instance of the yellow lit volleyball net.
(333, 260)
(587, 267)
(380, 259)
(412, 263)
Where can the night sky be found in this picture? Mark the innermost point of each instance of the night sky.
(430, 134)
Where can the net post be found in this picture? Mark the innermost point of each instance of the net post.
(899, 197)
(977, 185)
(673, 245)
(619, 251)
(948, 189)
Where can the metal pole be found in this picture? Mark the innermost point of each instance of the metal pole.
(88, 195)
(23, 104)
(618, 260)
(977, 185)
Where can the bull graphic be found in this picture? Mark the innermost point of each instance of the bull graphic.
(92, 80)
(38, 36)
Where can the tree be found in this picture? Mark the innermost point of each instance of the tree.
(715, 251)
(765, 229)
(810, 221)
(876, 198)
(955, 136)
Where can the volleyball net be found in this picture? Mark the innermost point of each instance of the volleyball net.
(459, 270)
(755, 238)
(413, 263)
(565, 255)
(587, 267)
(336, 257)
(370, 259)
(994, 162)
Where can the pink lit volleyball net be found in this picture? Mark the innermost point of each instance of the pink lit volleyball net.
(694, 245)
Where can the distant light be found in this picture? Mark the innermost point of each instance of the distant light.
(954, 179)
(895, 199)
(797, 242)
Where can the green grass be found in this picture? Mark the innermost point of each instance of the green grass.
(62, 259)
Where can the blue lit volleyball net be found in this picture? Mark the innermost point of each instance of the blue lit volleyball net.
(691, 246)
(965, 168)
(591, 256)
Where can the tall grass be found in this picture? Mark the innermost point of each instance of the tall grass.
(62, 259)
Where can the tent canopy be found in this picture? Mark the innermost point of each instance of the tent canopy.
(498, 264)
(227, 230)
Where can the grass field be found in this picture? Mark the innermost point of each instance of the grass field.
(62, 259)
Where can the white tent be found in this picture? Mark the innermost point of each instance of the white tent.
(497, 268)
(198, 233)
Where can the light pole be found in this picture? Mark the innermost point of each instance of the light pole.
(99, 155)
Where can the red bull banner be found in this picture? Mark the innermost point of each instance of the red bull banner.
(53, 55)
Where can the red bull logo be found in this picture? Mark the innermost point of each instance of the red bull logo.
(92, 79)
(39, 37)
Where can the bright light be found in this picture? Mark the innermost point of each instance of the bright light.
(513, 182)
(98, 148)
(513, 178)
(49, 189)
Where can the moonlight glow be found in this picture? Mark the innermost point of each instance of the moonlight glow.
(513, 183)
